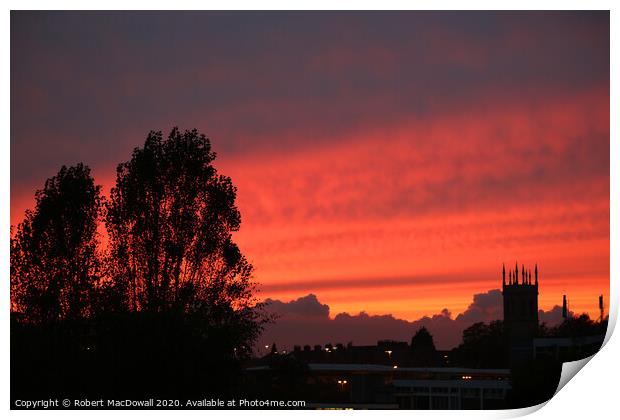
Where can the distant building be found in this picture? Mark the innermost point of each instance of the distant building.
(520, 310)
(521, 322)
(451, 388)
(392, 375)
(381, 386)
(565, 349)
(386, 352)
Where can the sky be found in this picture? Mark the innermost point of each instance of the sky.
(307, 321)
(387, 163)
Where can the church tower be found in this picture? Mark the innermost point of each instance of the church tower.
(520, 309)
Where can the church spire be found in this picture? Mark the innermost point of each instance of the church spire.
(516, 273)
(564, 307)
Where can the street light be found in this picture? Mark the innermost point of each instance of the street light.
(389, 353)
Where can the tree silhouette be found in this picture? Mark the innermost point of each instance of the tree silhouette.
(170, 218)
(423, 349)
(166, 309)
(422, 340)
(483, 346)
(577, 326)
(54, 261)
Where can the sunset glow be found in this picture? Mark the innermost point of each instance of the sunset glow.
(381, 176)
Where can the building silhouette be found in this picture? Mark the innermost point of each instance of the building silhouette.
(520, 309)
(392, 375)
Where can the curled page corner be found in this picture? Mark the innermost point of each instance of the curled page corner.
(569, 370)
(522, 412)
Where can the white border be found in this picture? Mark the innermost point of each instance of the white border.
(592, 394)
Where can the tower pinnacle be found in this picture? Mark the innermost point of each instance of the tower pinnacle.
(516, 273)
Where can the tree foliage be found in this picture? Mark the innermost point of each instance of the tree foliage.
(423, 349)
(422, 341)
(170, 219)
(54, 262)
(164, 304)
(483, 346)
(578, 326)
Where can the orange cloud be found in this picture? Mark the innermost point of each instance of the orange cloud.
(452, 197)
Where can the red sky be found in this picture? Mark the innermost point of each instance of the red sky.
(386, 163)
(423, 223)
